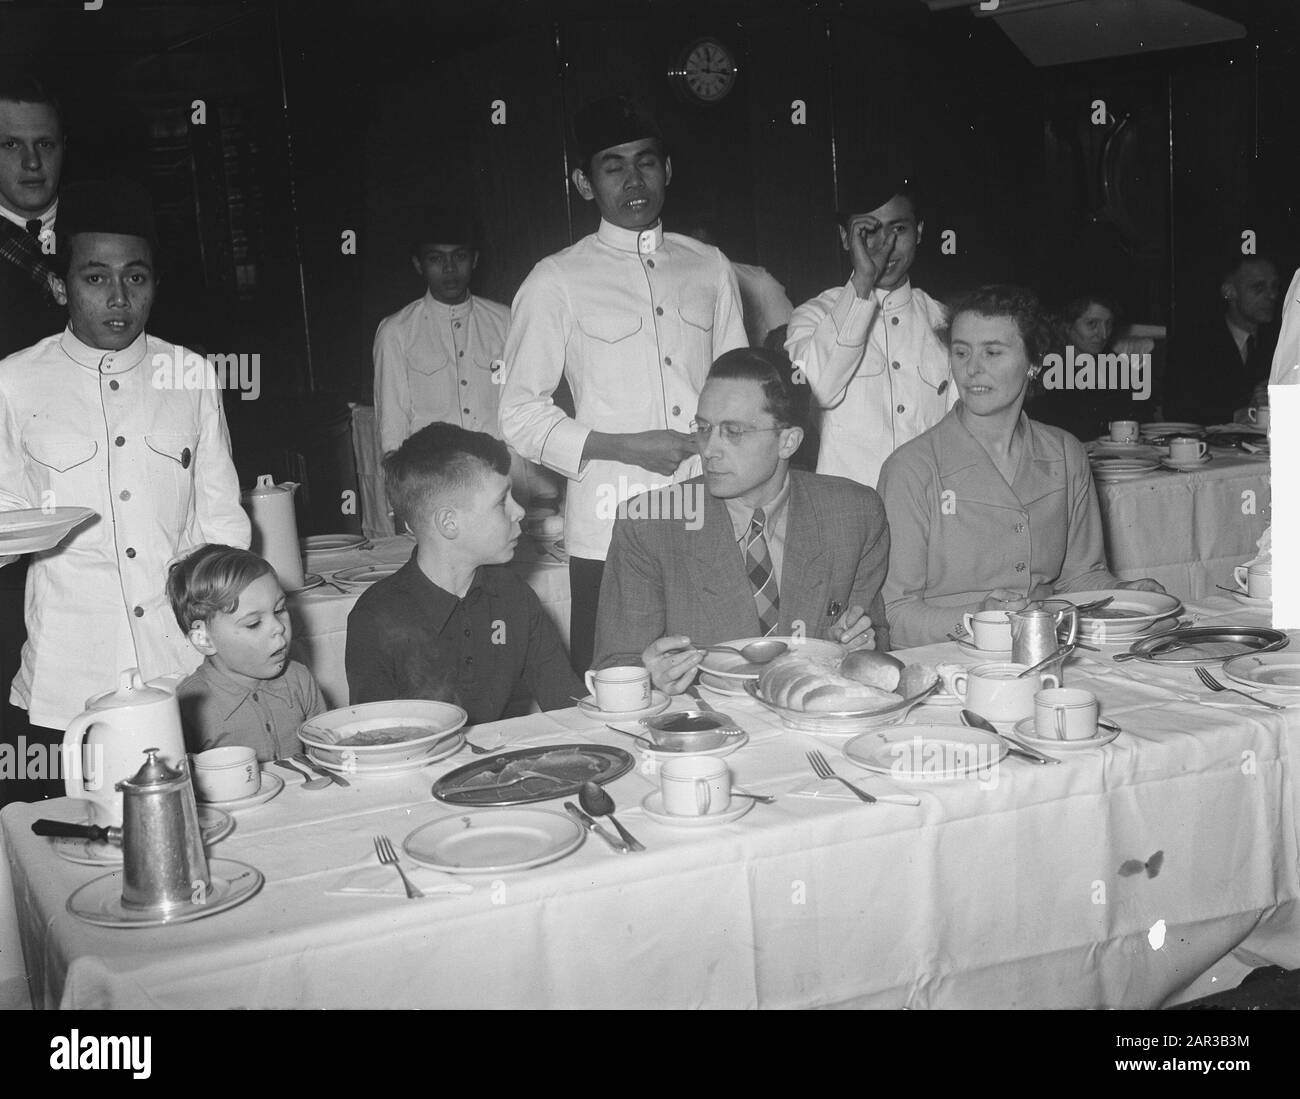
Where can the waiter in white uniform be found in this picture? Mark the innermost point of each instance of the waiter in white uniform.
(633, 317)
(93, 418)
(870, 349)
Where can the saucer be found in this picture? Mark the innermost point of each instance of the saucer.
(1156, 629)
(653, 804)
(1025, 731)
(659, 702)
(215, 824)
(731, 744)
(716, 683)
(1251, 600)
(100, 901)
(309, 581)
(985, 654)
(1187, 467)
(272, 784)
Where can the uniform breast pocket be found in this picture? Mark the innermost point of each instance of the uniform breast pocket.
(171, 475)
(697, 329)
(606, 330)
(64, 465)
(427, 366)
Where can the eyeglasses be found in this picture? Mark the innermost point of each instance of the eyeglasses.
(731, 432)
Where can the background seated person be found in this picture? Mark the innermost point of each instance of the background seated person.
(989, 509)
(454, 624)
(751, 548)
(1086, 325)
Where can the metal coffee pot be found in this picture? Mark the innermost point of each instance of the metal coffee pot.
(164, 867)
(1036, 630)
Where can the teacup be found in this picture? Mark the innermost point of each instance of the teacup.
(620, 689)
(994, 690)
(1255, 580)
(1124, 431)
(990, 629)
(1185, 450)
(695, 787)
(224, 774)
(1065, 713)
(1260, 416)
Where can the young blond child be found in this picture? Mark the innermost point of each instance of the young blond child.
(247, 691)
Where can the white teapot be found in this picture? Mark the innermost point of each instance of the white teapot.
(275, 529)
(105, 744)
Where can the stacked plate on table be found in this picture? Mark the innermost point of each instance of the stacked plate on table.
(1109, 466)
(360, 577)
(727, 673)
(384, 738)
(1158, 434)
(1129, 616)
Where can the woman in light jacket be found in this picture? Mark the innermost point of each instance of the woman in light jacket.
(990, 509)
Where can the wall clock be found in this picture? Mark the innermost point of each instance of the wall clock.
(704, 71)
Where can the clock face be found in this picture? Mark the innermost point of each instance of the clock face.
(708, 70)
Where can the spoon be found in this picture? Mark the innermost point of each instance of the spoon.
(311, 783)
(756, 652)
(596, 801)
(762, 799)
(1095, 605)
(306, 761)
(635, 736)
(1060, 654)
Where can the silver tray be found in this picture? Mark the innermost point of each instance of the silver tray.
(451, 787)
(1180, 645)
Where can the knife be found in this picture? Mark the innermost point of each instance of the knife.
(591, 826)
(973, 719)
(306, 760)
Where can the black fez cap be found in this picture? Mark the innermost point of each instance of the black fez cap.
(115, 205)
(873, 180)
(445, 225)
(614, 120)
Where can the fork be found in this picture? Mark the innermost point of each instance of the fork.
(823, 771)
(384, 850)
(1214, 685)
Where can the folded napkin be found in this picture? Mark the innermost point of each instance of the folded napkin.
(377, 880)
(830, 790)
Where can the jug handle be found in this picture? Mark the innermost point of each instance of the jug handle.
(1073, 614)
(74, 783)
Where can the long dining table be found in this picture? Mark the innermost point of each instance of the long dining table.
(1115, 879)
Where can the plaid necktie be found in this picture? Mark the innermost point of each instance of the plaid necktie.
(758, 563)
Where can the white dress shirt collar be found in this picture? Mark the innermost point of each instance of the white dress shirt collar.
(896, 298)
(443, 312)
(641, 241)
(47, 217)
(101, 360)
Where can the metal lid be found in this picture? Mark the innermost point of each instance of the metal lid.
(153, 774)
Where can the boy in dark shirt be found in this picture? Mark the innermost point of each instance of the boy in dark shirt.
(454, 624)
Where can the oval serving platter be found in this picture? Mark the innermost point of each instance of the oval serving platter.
(1209, 644)
(532, 774)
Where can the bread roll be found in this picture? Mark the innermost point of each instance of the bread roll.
(873, 668)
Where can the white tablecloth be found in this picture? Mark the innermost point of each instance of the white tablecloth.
(320, 615)
(1187, 530)
(1006, 893)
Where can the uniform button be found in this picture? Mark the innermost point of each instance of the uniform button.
(119, 441)
(1020, 528)
(125, 494)
(1020, 566)
(112, 385)
(138, 612)
(469, 660)
(677, 410)
(649, 263)
(130, 552)
(464, 382)
(896, 366)
(893, 320)
(466, 411)
(457, 324)
(900, 408)
(268, 726)
(659, 309)
(460, 354)
(254, 696)
(668, 360)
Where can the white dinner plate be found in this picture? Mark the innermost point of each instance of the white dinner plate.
(926, 752)
(357, 766)
(494, 841)
(653, 804)
(271, 785)
(333, 543)
(1170, 428)
(381, 733)
(363, 575)
(34, 530)
(1164, 625)
(100, 901)
(1025, 731)
(1145, 608)
(1187, 467)
(723, 686)
(215, 824)
(309, 581)
(1272, 671)
(737, 668)
(659, 702)
(731, 744)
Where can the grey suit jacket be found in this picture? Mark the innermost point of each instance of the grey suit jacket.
(662, 578)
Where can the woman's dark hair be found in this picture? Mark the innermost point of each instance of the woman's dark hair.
(1017, 302)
